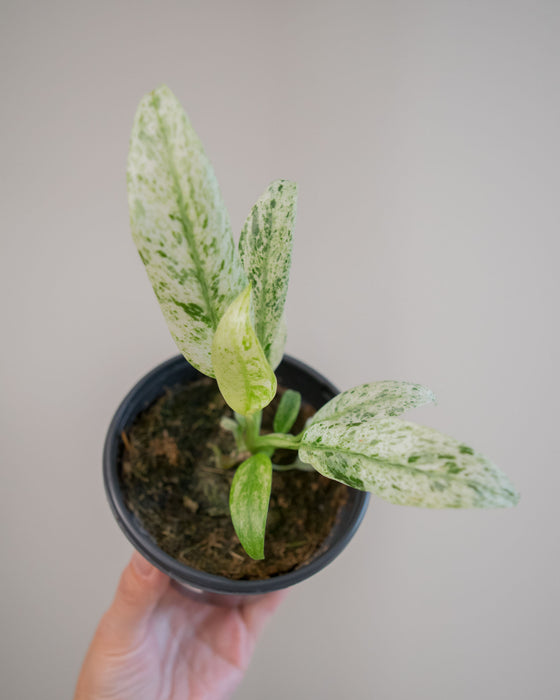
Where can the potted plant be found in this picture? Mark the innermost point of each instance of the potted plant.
(247, 427)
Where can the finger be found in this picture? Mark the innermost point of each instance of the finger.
(257, 613)
(140, 589)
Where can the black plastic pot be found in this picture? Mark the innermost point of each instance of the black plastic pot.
(291, 373)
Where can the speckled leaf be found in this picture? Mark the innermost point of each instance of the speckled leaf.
(374, 400)
(248, 501)
(180, 225)
(265, 247)
(406, 464)
(244, 376)
(278, 344)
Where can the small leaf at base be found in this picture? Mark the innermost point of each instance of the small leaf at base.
(248, 501)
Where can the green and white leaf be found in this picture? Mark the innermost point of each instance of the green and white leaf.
(265, 247)
(287, 411)
(278, 344)
(405, 464)
(244, 377)
(180, 225)
(374, 400)
(249, 497)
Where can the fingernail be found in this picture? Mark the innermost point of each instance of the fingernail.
(143, 567)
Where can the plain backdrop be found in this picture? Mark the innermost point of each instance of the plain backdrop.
(425, 140)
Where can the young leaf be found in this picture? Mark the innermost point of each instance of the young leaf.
(244, 376)
(265, 247)
(287, 411)
(233, 427)
(248, 502)
(406, 464)
(180, 225)
(374, 400)
(241, 420)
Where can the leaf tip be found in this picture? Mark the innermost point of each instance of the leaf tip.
(512, 499)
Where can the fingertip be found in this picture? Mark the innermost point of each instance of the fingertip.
(143, 567)
(141, 582)
(140, 588)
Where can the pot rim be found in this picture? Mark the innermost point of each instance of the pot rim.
(134, 402)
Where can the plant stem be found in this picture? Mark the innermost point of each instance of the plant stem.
(256, 442)
(252, 429)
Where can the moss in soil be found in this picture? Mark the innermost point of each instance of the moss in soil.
(175, 481)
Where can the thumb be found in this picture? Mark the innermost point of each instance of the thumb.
(140, 588)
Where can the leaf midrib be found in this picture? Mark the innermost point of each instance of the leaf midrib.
(260, 321)
(335, 417)
(186, 223)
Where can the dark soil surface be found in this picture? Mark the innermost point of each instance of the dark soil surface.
(174, 481)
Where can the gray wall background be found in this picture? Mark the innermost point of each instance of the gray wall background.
(424, 138)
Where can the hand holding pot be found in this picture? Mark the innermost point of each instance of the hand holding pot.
(155, 643)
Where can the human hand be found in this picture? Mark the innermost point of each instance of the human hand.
(156, 644)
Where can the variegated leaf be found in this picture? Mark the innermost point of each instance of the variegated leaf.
(278, 344)
(180, 225)
(406, 464)
(265, 247)
(244, 377)
(374, 400)
(249, 497)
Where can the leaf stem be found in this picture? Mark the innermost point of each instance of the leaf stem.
(298, 464)
(269, 442)
(276, 440)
